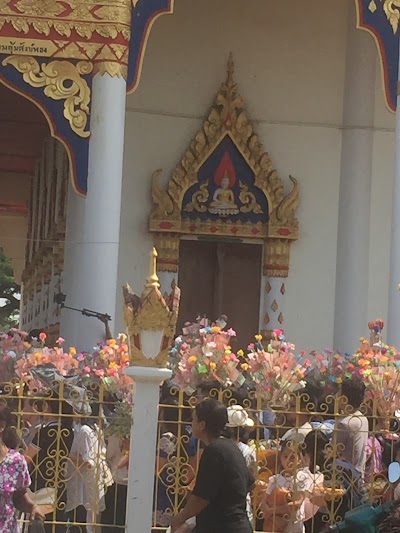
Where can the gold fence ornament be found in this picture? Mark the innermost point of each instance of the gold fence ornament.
(151, 320)
(42, 419)
(61, 80)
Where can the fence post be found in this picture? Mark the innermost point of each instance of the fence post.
(151, 322)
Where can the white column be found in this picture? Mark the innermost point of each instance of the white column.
(352, 268)
(274, 292)
(98, 268)
(393, 331)
(69, 322)
(143, 446)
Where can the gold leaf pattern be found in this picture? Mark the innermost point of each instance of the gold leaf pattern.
(391, 9)
(42, 8)
(249, 200)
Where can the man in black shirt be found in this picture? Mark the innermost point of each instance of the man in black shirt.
(223, 481)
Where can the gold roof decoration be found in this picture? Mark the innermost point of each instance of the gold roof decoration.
(151, 317)
(227, 119)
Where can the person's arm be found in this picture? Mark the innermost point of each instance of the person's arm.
(209, 483)
(194, 507)
(24, 504)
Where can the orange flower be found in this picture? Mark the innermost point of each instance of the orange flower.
(245, 366)
(192, 359)
(216, 329)
(213, 366)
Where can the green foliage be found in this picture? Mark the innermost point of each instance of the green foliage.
(121, 421)
(9, 290)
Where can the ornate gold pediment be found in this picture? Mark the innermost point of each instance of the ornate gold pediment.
(225, 183)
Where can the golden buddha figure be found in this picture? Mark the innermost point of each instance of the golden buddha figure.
(223, 202)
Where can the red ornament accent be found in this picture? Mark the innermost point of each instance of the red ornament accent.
(234, 229)
(193, 227)
(166, 225)
(225, 168)
(213, 229)
(228, 121)
(255, 231)
(284, 231)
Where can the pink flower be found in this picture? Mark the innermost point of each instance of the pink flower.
(60, 340)
(42, 336)
(99, 373)
(231, 332)
(87, 369)
(278, 332)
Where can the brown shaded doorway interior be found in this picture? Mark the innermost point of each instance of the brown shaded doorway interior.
(217, 278)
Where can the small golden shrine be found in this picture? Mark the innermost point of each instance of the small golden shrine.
(151, 320)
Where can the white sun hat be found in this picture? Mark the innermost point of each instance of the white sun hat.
(238, 417)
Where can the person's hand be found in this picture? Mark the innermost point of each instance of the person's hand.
(36, 514)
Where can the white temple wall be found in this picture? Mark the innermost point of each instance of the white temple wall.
(290, 65)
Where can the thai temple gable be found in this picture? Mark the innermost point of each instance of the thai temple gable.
(293, 73)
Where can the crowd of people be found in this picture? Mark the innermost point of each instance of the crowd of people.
(302, 466)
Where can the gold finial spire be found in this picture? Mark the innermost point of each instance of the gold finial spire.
(152, 281)
(230, 69)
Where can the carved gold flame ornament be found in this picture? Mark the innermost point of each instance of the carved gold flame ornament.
(151, 320)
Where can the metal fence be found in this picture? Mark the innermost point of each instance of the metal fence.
(334, 458)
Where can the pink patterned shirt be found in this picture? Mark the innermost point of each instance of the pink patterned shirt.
(14, 476)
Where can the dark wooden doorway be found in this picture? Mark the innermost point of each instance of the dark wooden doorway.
(221, 278)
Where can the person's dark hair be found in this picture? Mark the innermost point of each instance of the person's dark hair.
(205, 387)
(240, 434)
(214, 414)
(315, 445)
(9, 435)
(353, 390)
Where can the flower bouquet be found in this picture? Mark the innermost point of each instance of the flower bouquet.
(277, 371)
(204, 353)
(65, 362)
(328, 369)
(13, 346)
(105, 364)
(379, 366)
